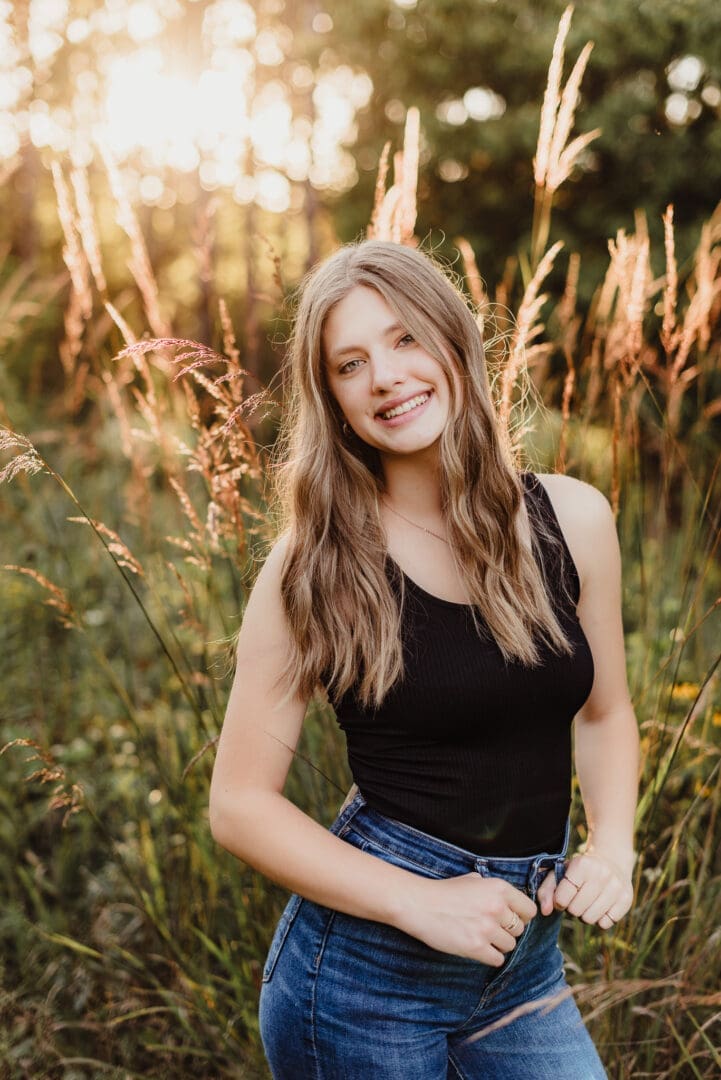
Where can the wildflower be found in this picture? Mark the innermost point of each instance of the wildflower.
(685, 691)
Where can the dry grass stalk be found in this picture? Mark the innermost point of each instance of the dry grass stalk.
(77, 391)
(70, 797)
(479, 296)
(697, 321)
(544, 1004)
(128, 336)
(230, 346)
(408, 205)
(139, 263)
(594, 363)
(394, 213)
(379, 194)
(277, 262)
(74, 324)
(80, 301)
(73, 253)
(118, 407)
(386, 229)
(670, 293)
(395, 222)
(696, 328)
(123, 555)
(562, 155)
(528, 327)
(567, 307)
(57, 599)
(630, 284)
(86, 228)
(225, 451)
(631, 274)
(568, 385)
(27, 461)
(551, 99)
(503, 293)
(597, 327)
(189, 510)
(188, 617)
(615, 443)
(148, 403)
(555, 157)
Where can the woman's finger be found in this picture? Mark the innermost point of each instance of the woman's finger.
(566, 891)
(513, 923)
(601, 904)
(546, 892)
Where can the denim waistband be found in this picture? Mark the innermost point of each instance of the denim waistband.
(439, 857)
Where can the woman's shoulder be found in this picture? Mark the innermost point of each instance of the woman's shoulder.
(267, 571)
(570, 493)
(584, 514)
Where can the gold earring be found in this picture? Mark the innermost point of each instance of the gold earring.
(345, 427)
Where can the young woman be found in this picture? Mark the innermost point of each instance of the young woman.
(461, 614)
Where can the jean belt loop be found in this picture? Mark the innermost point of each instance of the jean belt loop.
(533, 875)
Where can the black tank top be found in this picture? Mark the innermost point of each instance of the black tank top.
(467, 747)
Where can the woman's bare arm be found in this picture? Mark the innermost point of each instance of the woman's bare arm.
(250, 816)
(606, 731)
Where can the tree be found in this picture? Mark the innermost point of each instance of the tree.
(477, 71)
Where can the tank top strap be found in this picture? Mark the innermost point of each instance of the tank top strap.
(541, 506)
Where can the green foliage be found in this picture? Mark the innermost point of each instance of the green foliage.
(437, 51)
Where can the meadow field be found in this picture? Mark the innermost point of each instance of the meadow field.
(137, 506)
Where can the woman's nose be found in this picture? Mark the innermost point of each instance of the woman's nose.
(385, 370)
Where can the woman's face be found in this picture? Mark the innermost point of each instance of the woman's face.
(374, 364)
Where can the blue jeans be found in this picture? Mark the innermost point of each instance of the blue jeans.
(345, 998)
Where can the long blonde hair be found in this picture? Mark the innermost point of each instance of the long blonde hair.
(344, 619)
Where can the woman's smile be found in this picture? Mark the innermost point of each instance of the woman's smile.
(404, 414)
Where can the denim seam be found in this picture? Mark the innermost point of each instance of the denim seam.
(291, 912)
(317, 965)
(495, 983)
(452, 1061)
(373, 842)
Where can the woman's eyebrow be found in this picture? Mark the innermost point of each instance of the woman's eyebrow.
(337, 353)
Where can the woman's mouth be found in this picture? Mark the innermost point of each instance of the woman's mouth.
(406, 412)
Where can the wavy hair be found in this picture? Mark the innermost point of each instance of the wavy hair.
(344, 618)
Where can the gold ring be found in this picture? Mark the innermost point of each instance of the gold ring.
(571, 881)
(613, 921)
(513, 924)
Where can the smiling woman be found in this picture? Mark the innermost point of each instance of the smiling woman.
(461, 614)
(391, 383)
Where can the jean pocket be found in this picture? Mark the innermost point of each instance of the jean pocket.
(281, 933)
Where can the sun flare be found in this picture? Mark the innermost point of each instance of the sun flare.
(242, 113)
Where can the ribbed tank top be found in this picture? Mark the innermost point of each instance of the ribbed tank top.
(467, 747)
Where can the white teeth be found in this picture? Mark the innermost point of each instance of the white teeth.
(405, 407)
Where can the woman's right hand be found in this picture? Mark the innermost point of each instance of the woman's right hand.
(470, 915)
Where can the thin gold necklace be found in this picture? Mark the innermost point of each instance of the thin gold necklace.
(429, 531)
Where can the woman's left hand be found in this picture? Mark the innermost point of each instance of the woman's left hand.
(593, 888)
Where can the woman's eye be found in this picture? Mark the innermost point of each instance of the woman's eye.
(346, 366)
(406, 339)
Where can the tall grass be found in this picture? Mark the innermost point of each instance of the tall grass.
(137, 510)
